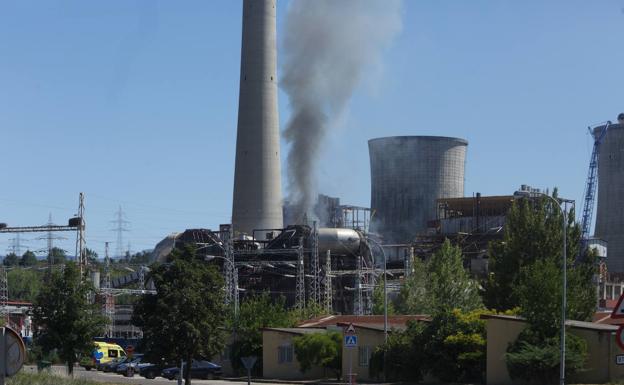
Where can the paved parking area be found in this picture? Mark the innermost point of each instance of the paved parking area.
(94, 375)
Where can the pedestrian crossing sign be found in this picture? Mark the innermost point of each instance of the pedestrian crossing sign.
(350, 341)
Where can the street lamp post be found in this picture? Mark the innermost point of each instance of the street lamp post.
(385, 264)
(558, 202)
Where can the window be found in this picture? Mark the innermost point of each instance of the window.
(364, 353)
(112, 353)
(284, 354)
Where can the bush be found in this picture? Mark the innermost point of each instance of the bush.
(400, 356)
(319, 349)
(455, 346)
(535, 360)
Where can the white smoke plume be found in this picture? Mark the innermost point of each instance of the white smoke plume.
(327, 47)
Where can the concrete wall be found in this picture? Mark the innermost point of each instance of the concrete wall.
(408, 174)
(257, 200)
(500, 333)
(367, 339)
(601, 346)
(610, 211)
(272, 368)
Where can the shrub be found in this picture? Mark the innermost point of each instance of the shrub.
(319, 349)
(535, 360)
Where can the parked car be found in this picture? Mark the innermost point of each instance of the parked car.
(150, 371)
(112, 365)
(129, 367)
(199, 369)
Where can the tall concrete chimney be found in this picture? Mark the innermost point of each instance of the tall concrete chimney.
(257, 184)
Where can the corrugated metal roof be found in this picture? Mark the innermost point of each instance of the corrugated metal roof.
(571, 323)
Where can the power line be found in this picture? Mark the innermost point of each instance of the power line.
(120, 227)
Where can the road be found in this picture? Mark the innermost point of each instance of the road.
(136, 380)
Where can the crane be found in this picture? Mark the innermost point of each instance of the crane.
(591, 183)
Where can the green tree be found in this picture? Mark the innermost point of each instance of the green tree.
(534, 359)
(28, 259)
(58, 256)
(91, 255)
(66, 320)
(533, 232)
(24, 285)
(141, 258)
(400, 359)
(440, 285)
(451, 347)
(256, 312)
(319, 349)
(526, 273)
(378, 300)
(11, 259)
(184, 319)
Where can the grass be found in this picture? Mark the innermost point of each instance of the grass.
(48, 379)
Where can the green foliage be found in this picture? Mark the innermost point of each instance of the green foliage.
(378, 300)
(58, 256)
(440, 285)
(91, 255)
(533, 232)
(401, 356)
(24, 285)
(454, 342)
(141, 258)
(28, 259)
(319, 349)
(451, 348)
(535, 360)
(184, 319)
(255, 313)
(539, 293)
(66, 319)
(11, 259)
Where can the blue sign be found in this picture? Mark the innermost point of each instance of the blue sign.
(350, 341)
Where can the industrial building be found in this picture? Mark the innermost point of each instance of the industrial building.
(610, 211)
(408, 174)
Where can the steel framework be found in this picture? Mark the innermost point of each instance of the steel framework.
(591, 185)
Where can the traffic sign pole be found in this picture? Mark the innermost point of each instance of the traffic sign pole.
(3, 356)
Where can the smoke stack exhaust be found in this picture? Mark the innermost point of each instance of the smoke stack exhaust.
(257, 202)
(328, 47)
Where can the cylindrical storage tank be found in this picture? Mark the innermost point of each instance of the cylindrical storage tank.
(338, 241)
(95, 279)
(610, 212)
(408, 174)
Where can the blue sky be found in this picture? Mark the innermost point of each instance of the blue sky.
(135, 104)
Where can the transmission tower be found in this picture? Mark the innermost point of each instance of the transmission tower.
(109, 305)
(4, 295)
(81, 258)
(120, 227)
(316, 284)
(50, 237)
(17, 245)
(300, 290)
(327, 283)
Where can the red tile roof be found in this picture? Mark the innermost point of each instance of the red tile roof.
(371, 320)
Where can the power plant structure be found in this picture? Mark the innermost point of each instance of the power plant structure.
(257, 200)
(610, 211)
(408, 175)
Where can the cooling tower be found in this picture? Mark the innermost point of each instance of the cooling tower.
(408, 174)
(257, 200)
(610, 213)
